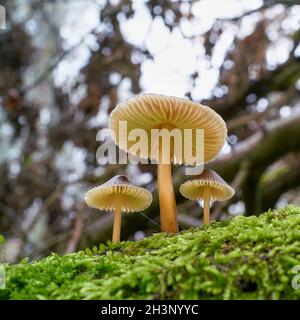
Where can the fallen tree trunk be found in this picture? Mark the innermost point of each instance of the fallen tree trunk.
(227, 260)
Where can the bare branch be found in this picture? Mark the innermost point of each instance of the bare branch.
(77, 231)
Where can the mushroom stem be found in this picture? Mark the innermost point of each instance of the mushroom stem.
(206, 214)
(167, 203)
(117, 224)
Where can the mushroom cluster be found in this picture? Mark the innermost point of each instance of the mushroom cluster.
(152, 112)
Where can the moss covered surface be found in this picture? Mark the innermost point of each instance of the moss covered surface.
(241, 258)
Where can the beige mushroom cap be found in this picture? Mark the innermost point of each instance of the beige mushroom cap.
(130, 197)
(219, 189)
(152, 111)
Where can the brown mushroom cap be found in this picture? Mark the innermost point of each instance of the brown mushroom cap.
(130, 197)
(219, 189)
(151, 111)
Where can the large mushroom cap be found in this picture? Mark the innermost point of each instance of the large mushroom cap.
(151, 111)
(219, 189)
(130, 197)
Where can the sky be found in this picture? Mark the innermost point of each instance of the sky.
(175, 57)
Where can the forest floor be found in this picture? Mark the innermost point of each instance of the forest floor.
(240, 258)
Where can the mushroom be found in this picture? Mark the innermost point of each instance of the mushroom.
(207, 186)
(118, 195)
(151, 111)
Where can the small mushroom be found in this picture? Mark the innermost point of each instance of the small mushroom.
(118, 195)
(208, 186)
(152, 111)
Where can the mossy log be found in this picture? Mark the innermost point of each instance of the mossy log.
(240, 258)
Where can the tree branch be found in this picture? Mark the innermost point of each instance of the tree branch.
(77, 231)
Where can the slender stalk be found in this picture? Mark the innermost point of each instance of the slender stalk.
(206, 214)
(167, 203)
(117, 224)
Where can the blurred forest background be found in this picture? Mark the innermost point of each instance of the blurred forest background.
(65, 64)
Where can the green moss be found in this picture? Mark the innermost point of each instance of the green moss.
(242, 258)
